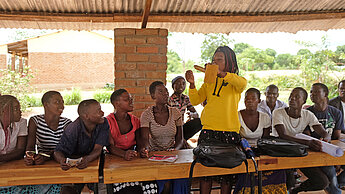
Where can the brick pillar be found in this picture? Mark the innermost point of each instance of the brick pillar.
(140, 58)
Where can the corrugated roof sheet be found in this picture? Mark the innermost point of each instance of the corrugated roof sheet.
(202, 7)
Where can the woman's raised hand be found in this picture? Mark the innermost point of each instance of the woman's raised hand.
(189, 76)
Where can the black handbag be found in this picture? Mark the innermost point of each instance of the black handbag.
(216, 154)
(277, 147)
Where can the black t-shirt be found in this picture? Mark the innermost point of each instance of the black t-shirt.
(331, 119)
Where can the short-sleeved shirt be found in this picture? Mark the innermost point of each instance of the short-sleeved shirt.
(123, 141)
(253, 136)
(8, 139)
(331, 119)
(263, 107)
(293, 126)
(47, 139)
(75, 142)
(162, 137)
(181, 104)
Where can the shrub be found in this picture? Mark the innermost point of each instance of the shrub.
(32, 101)
(102, 96)
(109, 86)
(16, 84)
(72, 98)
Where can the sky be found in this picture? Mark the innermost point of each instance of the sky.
(188, 45)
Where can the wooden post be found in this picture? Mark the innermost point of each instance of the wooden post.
(21, 67)
(13, 64)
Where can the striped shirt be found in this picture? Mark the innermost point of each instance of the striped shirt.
(47, 139)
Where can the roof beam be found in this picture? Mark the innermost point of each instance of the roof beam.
(146, 13)
(172, 18)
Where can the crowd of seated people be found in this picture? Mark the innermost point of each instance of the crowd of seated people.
(162, 127)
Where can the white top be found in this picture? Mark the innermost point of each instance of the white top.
(19, 129)
(262, 107)
(343, 104)
(253, 136)
(293, 126)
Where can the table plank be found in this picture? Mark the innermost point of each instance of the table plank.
(313, 159)
(118, 170)
(17, 173)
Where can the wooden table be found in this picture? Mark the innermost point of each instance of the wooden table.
(17, 173)
(117, 170)
(313, 159)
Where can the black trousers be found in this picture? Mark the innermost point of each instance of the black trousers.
(191, 127)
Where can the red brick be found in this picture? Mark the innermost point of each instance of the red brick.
(162, 66)
(119, 40)
(163, 32)
(157, 40)
(147, 49)
(135, 40)
(163, 50)
(158, 58)
(142, 98)
(135, 74)
(138, 113)
(125, 82)
(125, 66)
(146, 31)
(124, 31)
(155, 75)
(119, 74)
(119, 57)
(148, 67)
(139, 105)
(136, 90)
(124, 49)
(145, 83)
(137, 58)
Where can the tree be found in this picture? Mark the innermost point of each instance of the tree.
(254, 57)
(211, 43)
(304, 52)
(286, 61)
(240, 47)
(174, 62)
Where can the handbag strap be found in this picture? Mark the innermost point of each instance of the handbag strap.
(191, 170)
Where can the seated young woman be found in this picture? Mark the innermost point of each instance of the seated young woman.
(124, 135)
(13, 134)
(255, 125)
(45, 131)
(162, 131)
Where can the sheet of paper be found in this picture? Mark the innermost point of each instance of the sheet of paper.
(328, 148)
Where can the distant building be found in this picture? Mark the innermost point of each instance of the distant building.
(64, 59)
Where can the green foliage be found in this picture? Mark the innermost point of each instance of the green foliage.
(73, 97)
(109, 86)
(32, 101)
(211, 43)
(16, 84)
(254, 59)
(285, 82)
(174, 62)
(240, 47)
(287, 61)
(102, 96)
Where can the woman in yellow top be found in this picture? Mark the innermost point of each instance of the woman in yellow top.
(220, 117)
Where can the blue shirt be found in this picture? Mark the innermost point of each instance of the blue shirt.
(331, 119)
(75, 142)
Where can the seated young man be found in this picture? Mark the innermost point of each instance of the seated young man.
(292, 120)
(84, 138)
(332, 120)
(271, 103)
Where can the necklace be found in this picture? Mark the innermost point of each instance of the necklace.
(299, 120)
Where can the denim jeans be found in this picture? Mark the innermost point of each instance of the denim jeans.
(331, 174)
(341, 177)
